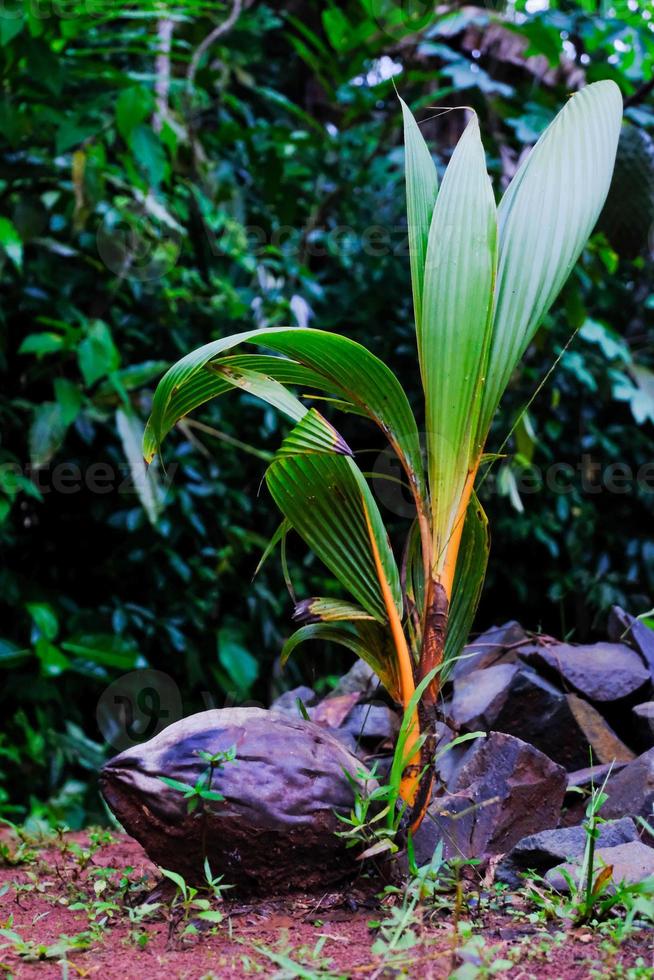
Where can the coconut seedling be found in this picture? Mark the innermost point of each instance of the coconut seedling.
(483, 277)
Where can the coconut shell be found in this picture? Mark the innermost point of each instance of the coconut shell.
(275, 830)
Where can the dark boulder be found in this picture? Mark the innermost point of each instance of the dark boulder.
(631, 791)
(499, 789)
(600, 671)
(275, 829)
(514, 699)
(643, 717)
(540, 852)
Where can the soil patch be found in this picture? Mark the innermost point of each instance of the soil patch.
(72, 906)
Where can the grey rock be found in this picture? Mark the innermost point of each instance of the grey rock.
(643, 715)
(500, 790)
(627, 629)
(631, 791)
(543, 851)
(372, 722)
(631, 862)
(593, 775)
(496, 645)
(600, 671)
(286, 703)
(359, 678)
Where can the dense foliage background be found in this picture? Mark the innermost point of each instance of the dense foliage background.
(156, 192)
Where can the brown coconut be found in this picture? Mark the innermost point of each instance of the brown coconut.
(275, 830)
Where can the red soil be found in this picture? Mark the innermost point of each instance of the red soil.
(323, 935)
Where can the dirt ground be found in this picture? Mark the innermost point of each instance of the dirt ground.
(65, 913)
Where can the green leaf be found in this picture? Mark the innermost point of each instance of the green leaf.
(44, 618)
(47, 432)
(11, 24)
(421, 191)
(97, 354)
(468, 582)
(328, 502)
(149, 490)
(456, 323)
(133, 106)
(69, 399)
(106, 649)
(545, 218)
(11, 655)
(368, 640)
(42, 343)
(241, 666)
(314, 435)
(149, 154)
(53, 661)
(264, 387)
(346, 368)
(11, 241)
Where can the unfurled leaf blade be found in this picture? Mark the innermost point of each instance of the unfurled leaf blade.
(421, 191)
(456, 321)
(328, 502)
(266, 388)
(545, 218)
(367, 640)
(347, 370)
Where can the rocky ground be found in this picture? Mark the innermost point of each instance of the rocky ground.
(73, 906)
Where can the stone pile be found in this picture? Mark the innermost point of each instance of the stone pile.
(556, 719)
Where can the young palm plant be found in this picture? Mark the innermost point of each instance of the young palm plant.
(483, 277)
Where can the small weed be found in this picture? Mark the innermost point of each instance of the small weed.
(594, 896)
(189, 906)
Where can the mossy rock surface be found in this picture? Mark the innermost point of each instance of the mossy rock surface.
(275, 830)
(628, 215)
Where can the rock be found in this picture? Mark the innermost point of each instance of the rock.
(480, 695)
(631, 791)
(500, 790)
(631, 862)
(360, 678)
(496, 645)
(627, 629)
(643, 715)
(275, 829)
(286, 703)
(332, 712)
(515, 699)
(372, 722)
(593, 775)
(600, 671)
(540, 852)
(599, 735)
